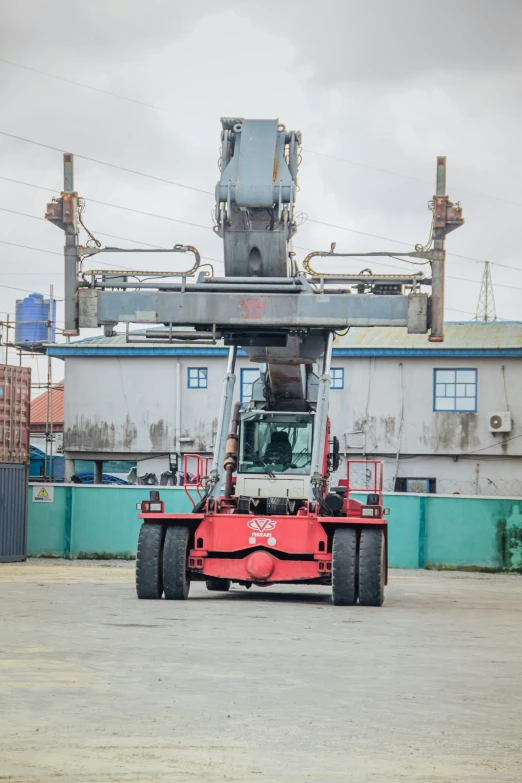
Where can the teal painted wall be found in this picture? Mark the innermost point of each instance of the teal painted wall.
(89, 521)
(424, 531)
(46, 524)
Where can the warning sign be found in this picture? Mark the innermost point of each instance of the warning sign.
(43, 494)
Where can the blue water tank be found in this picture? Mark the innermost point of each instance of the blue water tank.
(32, 314)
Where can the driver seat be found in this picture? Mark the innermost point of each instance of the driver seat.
(279, 450)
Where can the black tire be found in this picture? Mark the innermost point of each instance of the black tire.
(344, 567)
(216, 583)
(149, 561)
(176, 582)
(372, 567)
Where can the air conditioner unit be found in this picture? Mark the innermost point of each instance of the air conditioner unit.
(500, 421)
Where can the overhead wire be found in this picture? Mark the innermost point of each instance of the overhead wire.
(409, 176)
(155, 107)
(37, 217)
(310, 220)
(197, 225)
(106, 163)
(85, 86)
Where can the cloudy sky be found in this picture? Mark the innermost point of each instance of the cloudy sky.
(378, 89)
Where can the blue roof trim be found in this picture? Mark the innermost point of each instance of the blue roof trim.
(63, 351)
(433, 352)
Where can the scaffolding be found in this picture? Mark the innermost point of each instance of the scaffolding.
(36, 350)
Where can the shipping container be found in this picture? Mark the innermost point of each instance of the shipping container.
(15, 399)
(13, 512)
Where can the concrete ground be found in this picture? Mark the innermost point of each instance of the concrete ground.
(272, 685)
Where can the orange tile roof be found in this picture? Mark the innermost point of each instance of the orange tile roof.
(39, 407)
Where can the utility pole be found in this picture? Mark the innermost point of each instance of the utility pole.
(486, 310)
(63, 212)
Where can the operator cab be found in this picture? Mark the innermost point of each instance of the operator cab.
(275, 454)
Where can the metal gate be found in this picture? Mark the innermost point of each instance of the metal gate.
(13, 512)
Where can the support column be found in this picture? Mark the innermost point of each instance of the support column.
(223, 423)
(98, 471)
(321, 416)
(69, 468)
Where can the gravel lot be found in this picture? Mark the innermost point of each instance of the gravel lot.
(272, 685)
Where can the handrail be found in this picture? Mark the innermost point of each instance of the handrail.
(202, 465)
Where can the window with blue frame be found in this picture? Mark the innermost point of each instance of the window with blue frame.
(337, 374)
(455, 390)
(248, 377)
(197, 377)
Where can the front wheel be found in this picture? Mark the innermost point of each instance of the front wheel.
(176, 582)
(344, 567)
(149, 557)
(372, 567)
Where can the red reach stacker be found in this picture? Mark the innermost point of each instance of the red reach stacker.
(263, 530)
(273, 507)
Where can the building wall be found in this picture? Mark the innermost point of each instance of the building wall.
(126, 407)
(375, 420)
(372, 407)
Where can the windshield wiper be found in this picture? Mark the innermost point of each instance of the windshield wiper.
(269, 472)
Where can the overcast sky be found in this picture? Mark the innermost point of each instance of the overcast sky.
(378, 89)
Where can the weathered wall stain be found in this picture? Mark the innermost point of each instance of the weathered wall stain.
(388, 425)
(159, 435)
(88, 434)
(130, 432)
(509, 540)
(447, 432)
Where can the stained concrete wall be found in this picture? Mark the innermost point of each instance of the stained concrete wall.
(371, 409)
(125, 407)
(424, 531)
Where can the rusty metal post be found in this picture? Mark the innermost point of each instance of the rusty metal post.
(438, 264)
(231, 455)
(70, 221)
(223, 423)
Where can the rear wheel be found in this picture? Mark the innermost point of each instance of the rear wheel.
(216, 583)
(149, 557)
(372, 568)
(176, 581)
(344, 567)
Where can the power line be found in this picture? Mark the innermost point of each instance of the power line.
(86, 86)
(28, 247)
(36, 217)
(105, 163)
(170, 111)
(208, 228)
(409, 176)
(125, 269)
(116, 206)
(27, 290)
(101, 233)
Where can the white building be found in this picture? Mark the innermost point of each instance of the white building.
(424, 408)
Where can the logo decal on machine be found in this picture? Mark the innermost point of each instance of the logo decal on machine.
(261, 524)
(251, 308)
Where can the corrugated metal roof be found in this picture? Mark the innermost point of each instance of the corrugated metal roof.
(470, 338)
(118, 341)
(457, 335)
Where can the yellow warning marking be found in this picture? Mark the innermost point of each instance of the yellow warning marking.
(43, 493)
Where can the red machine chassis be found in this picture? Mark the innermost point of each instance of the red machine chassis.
(264, 549)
